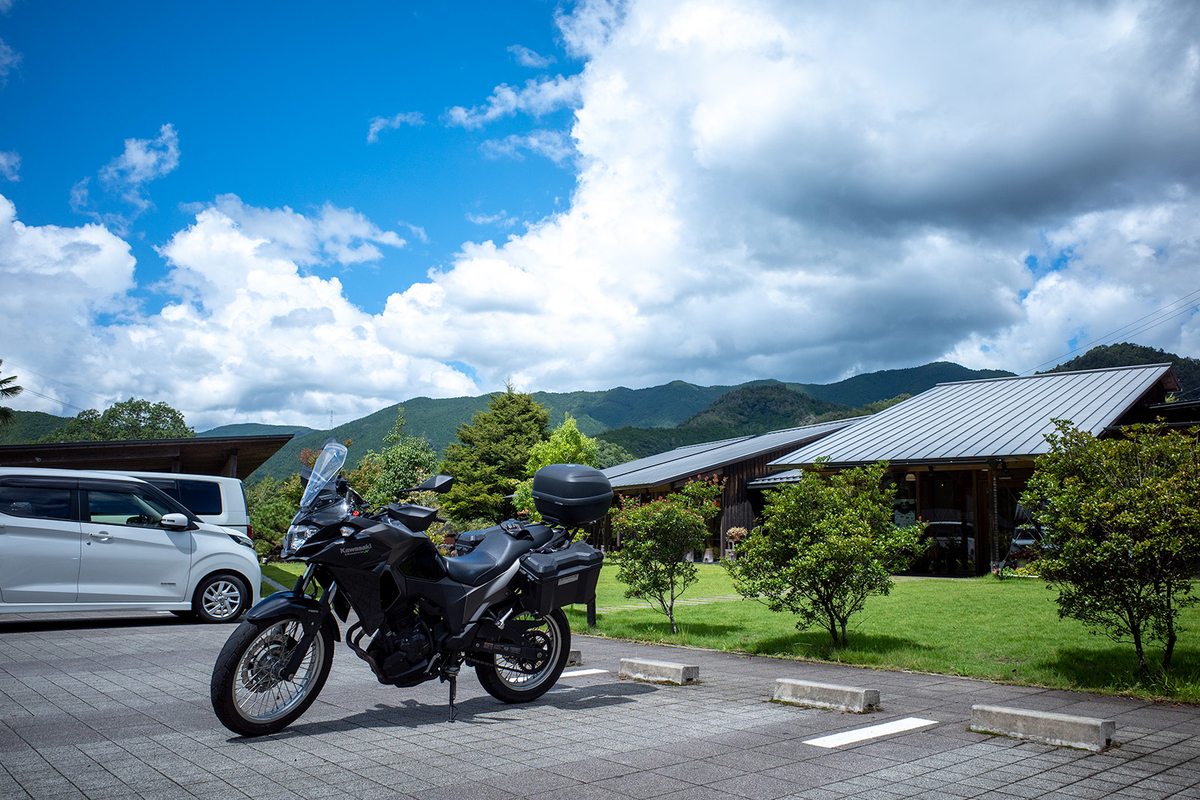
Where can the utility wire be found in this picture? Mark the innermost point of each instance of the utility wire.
(19, 368)
(1129, 329)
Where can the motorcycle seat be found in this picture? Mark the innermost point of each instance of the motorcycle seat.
(496, 553)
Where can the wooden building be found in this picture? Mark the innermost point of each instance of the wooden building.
(962, 453)
(735, 461)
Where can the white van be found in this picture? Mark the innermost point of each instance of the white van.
(212, 498)
(78, 540)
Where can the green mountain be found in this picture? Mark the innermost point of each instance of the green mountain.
(642, 421)
(746, 411)
(438, 419)
(1125, 354)
(251, 429)
(873, 386)
(29, 426)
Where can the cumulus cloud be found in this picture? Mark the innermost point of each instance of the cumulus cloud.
(763, 189)
(528, 58)
(379, 124)
(245, 334)
(10, 165)
(537, 97)
(812, 190)
(554, 145)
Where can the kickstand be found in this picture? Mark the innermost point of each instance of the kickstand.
(450, 673)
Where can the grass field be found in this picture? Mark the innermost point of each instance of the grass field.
(978, 627)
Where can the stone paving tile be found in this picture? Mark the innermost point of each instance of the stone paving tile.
(119, 709)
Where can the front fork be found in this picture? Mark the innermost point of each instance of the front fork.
(313, 620)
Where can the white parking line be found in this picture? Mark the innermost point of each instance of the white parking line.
(575, 673)
(862, 734)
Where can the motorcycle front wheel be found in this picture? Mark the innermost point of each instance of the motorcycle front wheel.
(519, 681)
(249, 695)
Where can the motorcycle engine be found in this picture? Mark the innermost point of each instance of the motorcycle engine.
(402, 654)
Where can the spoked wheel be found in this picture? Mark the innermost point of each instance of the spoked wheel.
(249, 694)
(519, 681)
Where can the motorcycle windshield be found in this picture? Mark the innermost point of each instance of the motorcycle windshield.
(324, 472)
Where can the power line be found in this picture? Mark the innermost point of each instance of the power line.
(1129, 329)
(54, 400)
(18, 367)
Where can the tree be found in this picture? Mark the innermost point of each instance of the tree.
(271, 505)
(404, 462)
(489, 458)
(566, 445)
(826, 545)
(610, 455)
(655, 539)
(128, 420)
(1121, 530)
(8, 390)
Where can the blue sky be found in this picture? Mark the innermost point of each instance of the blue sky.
(275, 106)
(260, 212)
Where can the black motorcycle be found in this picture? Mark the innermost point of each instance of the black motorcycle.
(420, 616)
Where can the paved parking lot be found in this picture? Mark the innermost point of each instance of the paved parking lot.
(97, 707)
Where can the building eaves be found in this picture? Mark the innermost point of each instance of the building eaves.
(722, 454)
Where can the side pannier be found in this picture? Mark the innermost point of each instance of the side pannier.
(560, 578)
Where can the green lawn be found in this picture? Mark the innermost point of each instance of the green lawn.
(984, 628)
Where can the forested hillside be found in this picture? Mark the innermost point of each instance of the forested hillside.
(1125, 354)
(873, 386)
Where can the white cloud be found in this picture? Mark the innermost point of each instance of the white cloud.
(538, 97)
(9, 60)
(10, 165)
(502, 219)
(379, 124)
(763, 189)
(554, 145)
(126, 176)
(528, 58)
(810, 190)
(245, 334)
(416, 230)
(144, 160)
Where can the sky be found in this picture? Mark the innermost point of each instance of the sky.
(302, 214)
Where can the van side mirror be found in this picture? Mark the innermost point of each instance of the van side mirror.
(175, 521)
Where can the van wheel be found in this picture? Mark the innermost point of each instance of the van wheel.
(221, 598)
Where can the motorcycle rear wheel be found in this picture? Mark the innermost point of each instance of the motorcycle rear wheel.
(249, 695)
(516, 681)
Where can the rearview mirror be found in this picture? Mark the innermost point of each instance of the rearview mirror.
(174, 521)
(435, 483)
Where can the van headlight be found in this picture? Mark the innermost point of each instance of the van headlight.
(295, 538)
(244, 541)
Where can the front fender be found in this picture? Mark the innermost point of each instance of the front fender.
(292, 604)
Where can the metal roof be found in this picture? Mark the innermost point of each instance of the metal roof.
(776, 479)
(691, 460)
(991, 418)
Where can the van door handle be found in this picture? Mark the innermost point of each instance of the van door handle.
(103, 536)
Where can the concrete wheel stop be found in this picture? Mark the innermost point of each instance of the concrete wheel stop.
(825, 695)
(1065, 730)
(659, 671)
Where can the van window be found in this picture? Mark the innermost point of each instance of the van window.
(35, 501)
(200, 497)
(124, 508)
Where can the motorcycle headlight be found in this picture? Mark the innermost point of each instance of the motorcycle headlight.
(295, 538)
